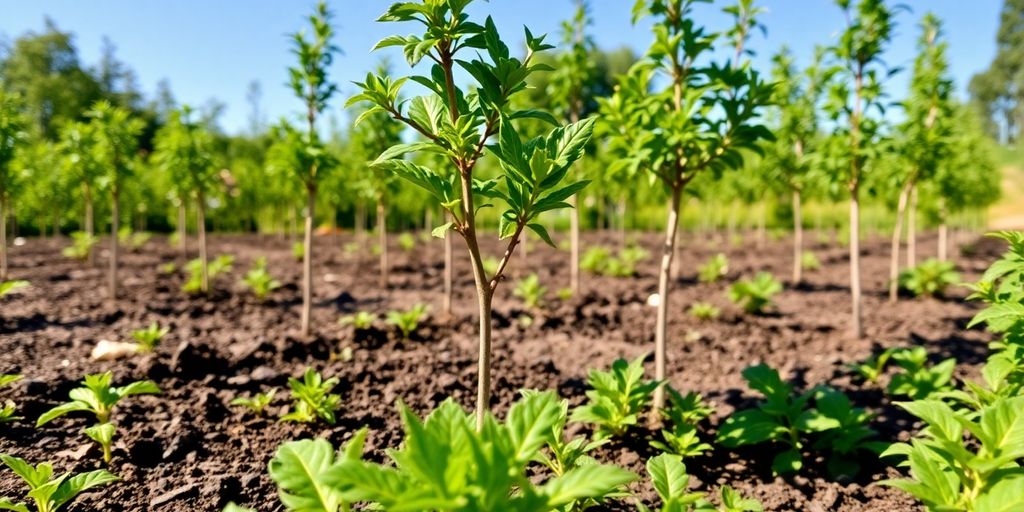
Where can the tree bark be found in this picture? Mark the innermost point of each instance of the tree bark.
(943, 241)
(115, 226)
(382, 239)
(90, 223)
(894, 248)
(201, 231)
(182, 229)
(447, 300)
(912, 228)
(307, 261)
(798, 238)
(622, 209)
(855, 292)
(661, 328)
(574, 244)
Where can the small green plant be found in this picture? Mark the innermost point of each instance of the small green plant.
(564, 294)
(298, 250)
(929, 278)
(668, 475)
(352, 248)
(809, 261)
(407, 321)
(617, 398)
(406, 242)
(11, 286)
(951, 472)
(599, 260)
(134, 240)
(755, 295)
(312, 398)
(257, 403)
(684, 413)
(50, 493)
(852, 438)
(872, 368)
(714, 269)
(149, 337)
(360, 321)
(220, 265)
(302, 469)
(483, 470)
(259, 280)
(103, 435)
(531, 292)
(916, 379)
(7, 412)
(783, 418)
(704, 311)
(82, 244)
(98, 397)
(168, 268)
(595, 259)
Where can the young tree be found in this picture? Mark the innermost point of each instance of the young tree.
(797, 95)
(925, 137)
(12, 131)
(117, 135)
(703, 116)
(869, 26)
(184, 151)
(310, 83)
(459, 123)
(571, 89)
(79, 148)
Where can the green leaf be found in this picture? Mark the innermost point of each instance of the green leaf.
(668, 474)
(1006, 495)
(399, 150)
(585, 481)
(77, 484)
(751, 426)
(541, 115)
(7, 504)
(530, 421)
(542, 232)
(442, 230)
(939, 416)
(145, 387)
(298, 468)
(232, 507)
(61, 410)
(787, 462)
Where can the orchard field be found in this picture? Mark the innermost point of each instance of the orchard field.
(526, 274)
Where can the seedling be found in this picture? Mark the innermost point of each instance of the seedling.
(98, 397)
(169, 268)
(257, 403)
(149, 337)
(312, 398)
(220, 265)
(259, 280)
(704, 311)
(50, 493)
(668, 475)
(851, 440)
(406, 242)
(599, 260)
(298, 250)
(361, 321)
(684, 414)
(134, 240)
(809, 261)
(756, 294)
(872, 368)
(103, 435)
(617, 398)
(7, 287)
(302, 471)
(917, 380)
(564, 294)
(8, 410)
(407, 321)
(82, 244)
(930, 278)
(531, 292)
(595, 260)
(486, 470)
(714, 269)
(783, 418)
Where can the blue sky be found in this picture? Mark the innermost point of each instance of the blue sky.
(215, 48)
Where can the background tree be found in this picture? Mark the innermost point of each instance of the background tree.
(458, 123)
(796, 128)
(702, 119)
(79, 148)
(924, 134)
(117, 136)
(858, 56)
(184, 151)
(998, 92)
(310, 83)
(12, 132)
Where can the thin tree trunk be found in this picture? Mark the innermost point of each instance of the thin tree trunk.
(762, 225)
(855, 293)
(798, 238)
(115, 226)
(661, 328)
(894, 249)
(912, 228)
(447, 300)
(3, 236)
(90, 223)
(943, 240)
(622, 222)
(574, 244)
(182, 229)
(201, 231)
(307, 260)
(360, 223)
(382, 234)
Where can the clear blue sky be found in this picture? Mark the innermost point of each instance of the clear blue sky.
(215, 48)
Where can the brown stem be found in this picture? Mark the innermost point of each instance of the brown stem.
(183, 229)
(115, 223)
(798, 238)
(912, 227)
(307, 260)
(660, 333)
(448, 257)
(894, 249)
(574, 244)
(201, 231)
(855, 292)
(382, 234)
(90, 217)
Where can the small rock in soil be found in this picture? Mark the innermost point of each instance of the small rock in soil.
(186, 491)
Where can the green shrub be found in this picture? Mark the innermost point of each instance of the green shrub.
(714, 269)
(530, 291)
(259, 280)
(220, 265)
(704, 311)
(617, 398)
(756, 294)
(930, 278)
(82, 244)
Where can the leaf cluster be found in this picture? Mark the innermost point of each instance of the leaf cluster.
(617, 398)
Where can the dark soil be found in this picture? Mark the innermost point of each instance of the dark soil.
(188, 450)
